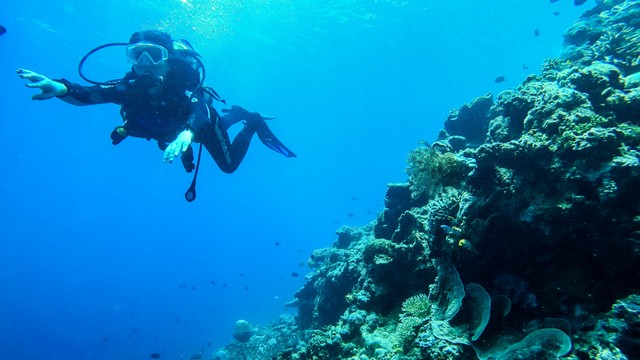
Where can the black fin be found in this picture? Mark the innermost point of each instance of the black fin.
(271, 141)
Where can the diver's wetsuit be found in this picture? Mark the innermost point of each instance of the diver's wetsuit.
(164, 115)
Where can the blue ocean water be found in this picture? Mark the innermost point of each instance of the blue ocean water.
(100, 255)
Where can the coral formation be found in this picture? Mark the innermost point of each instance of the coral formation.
(517, 235)
(242, 331)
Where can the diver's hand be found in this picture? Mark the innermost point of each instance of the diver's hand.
(178, 146)
(49, 87)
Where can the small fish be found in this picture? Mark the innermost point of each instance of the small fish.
(579, 2)
(351, 215)
(525, 67)
(155, 356)
(552, 1)
(555, 13)
(224, 285)
(295, 274)
(467, 245)
(536, 32)
(2, 30)
(246, 287)
(105, 339)
(451, 230)
(354, 198)
(500, 79)
(193, 288)
(213, 282)
(277, 243)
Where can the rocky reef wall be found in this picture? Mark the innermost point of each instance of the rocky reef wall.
(517, 235)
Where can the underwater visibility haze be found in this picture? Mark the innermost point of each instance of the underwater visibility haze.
(478, 161)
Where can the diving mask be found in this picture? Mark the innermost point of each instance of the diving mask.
(154, 54)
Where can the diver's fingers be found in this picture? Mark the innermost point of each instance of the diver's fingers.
(165, 155)
(36, 80)
(168, 157)
(185, 146)
(24, 72)
(35, 84)
(30, 75)
(172, 151)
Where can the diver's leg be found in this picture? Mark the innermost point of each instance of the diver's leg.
(227, 120)
(241, 143)
(227, 155)
(217, 143)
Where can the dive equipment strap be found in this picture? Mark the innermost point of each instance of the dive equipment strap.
(190, 195)
(84, 58)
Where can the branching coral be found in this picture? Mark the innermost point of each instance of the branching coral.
(417, 306)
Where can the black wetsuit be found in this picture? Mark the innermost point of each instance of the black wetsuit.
(164, 115)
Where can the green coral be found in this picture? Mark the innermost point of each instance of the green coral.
(379, 252)
(407, 331)
(417, 306)
(431, 170)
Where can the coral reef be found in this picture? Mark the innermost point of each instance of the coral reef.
(517, 235)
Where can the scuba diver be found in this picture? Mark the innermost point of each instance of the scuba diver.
(163, 98)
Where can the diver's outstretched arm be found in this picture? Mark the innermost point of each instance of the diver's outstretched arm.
(50, 88)
(71, 93)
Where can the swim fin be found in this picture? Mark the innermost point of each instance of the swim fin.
(271, 141)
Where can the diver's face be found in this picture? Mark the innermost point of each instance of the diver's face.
(147, 67)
